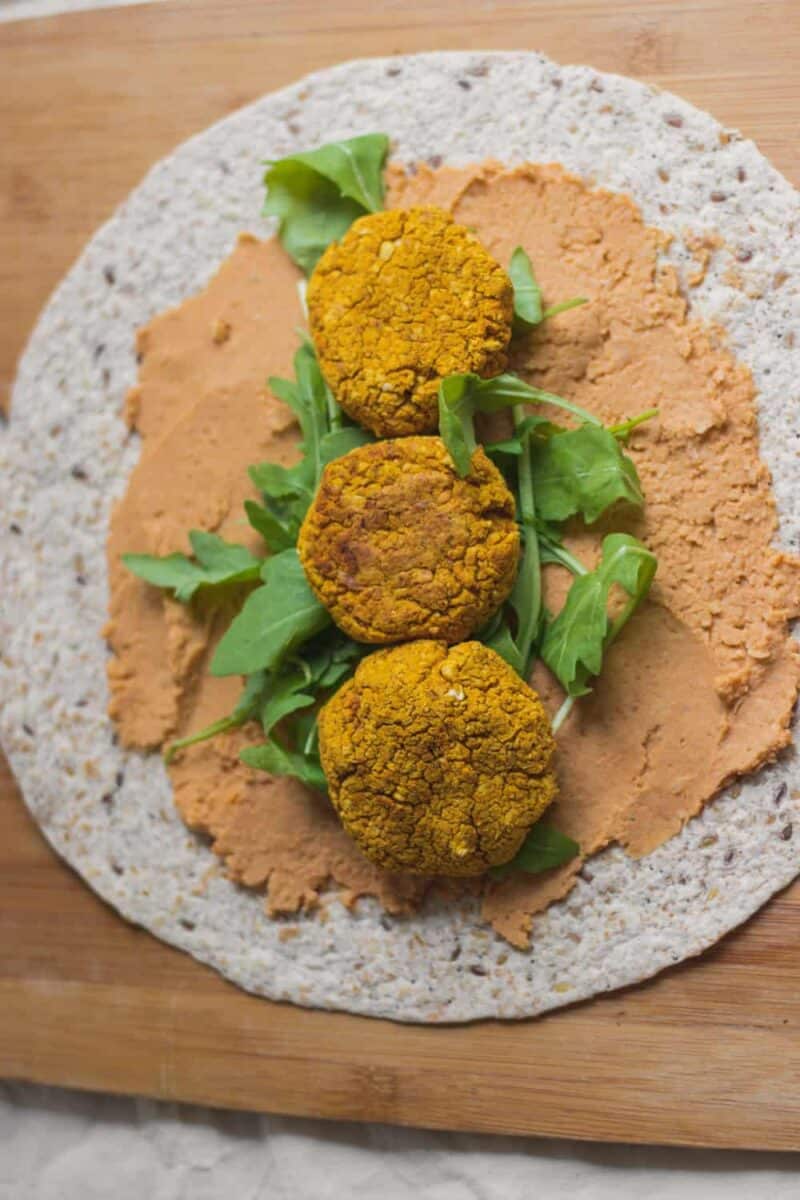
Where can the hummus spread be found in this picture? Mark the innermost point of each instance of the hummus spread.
(700, 686)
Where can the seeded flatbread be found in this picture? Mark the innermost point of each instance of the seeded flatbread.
(66, 455)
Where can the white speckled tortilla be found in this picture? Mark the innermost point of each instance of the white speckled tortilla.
(117, 827)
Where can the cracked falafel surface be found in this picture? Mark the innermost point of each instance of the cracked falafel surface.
(406, 297)
(438, 759)
(398, 546)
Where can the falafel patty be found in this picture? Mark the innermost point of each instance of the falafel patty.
(438, 760)
(398, 546)
(406, 297)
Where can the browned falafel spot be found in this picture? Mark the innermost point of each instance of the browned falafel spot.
(406, 297)
(438, 760)
(397, 546)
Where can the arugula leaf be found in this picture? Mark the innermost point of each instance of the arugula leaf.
(462, 396)
(288, 491)
(526, 594)
(314, 673)
(285, 696)
(273, 757)
(553, 550)
(457, 407)
(307, 397)
(575, 641)
(217, 562)
(538, 427)
(527, 293)
(500, 639)
(528, 310)
(287, 484)
(582, 471)
(337, 672)
(274, 620)
(316, 195)
(174, 571)
(331, 657)
(543, 848)
(341, 441)
(305, 733)
(277, 534)
(505, 390)
(218, 557)
(525, 599)
(246, 710)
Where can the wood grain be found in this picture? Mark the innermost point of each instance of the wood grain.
(708, 1054)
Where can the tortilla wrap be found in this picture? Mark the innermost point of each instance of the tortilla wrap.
(114, 820)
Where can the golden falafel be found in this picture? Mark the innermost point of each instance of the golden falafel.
(438, 759)
(398, 546)
(406, 297)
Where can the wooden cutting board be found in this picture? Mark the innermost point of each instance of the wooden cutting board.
(709, 1053)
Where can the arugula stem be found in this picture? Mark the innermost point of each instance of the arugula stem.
(531, 566)
(563, 713)
(334, 411)
(626, 427)
(526, 501)
(540, 397)
(310, 746)
(302, 666)
(224, 725)
(634, 601)
(564, 306)
(563, 555)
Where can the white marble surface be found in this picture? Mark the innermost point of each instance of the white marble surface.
(60, 1145)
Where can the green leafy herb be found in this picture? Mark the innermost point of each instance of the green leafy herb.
(528, 308)
(246, 710)
(515, 445)
(582, 471)
(553, 550)
(457, 407)
(273, 757)
(287, 492)
(307, 397)
(216, 562)
(273, 528)
(462, 396)
(318, 194)
(543, 848)
(341, 441)
(283, 700)
(286, 696)
(575, 641)
(330, 658)
(496, 634)
(275, 619)
(526, 594)
(557, 473)
(282, 640)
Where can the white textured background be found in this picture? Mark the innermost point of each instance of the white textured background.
(64, 1146)
(58, 1145)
